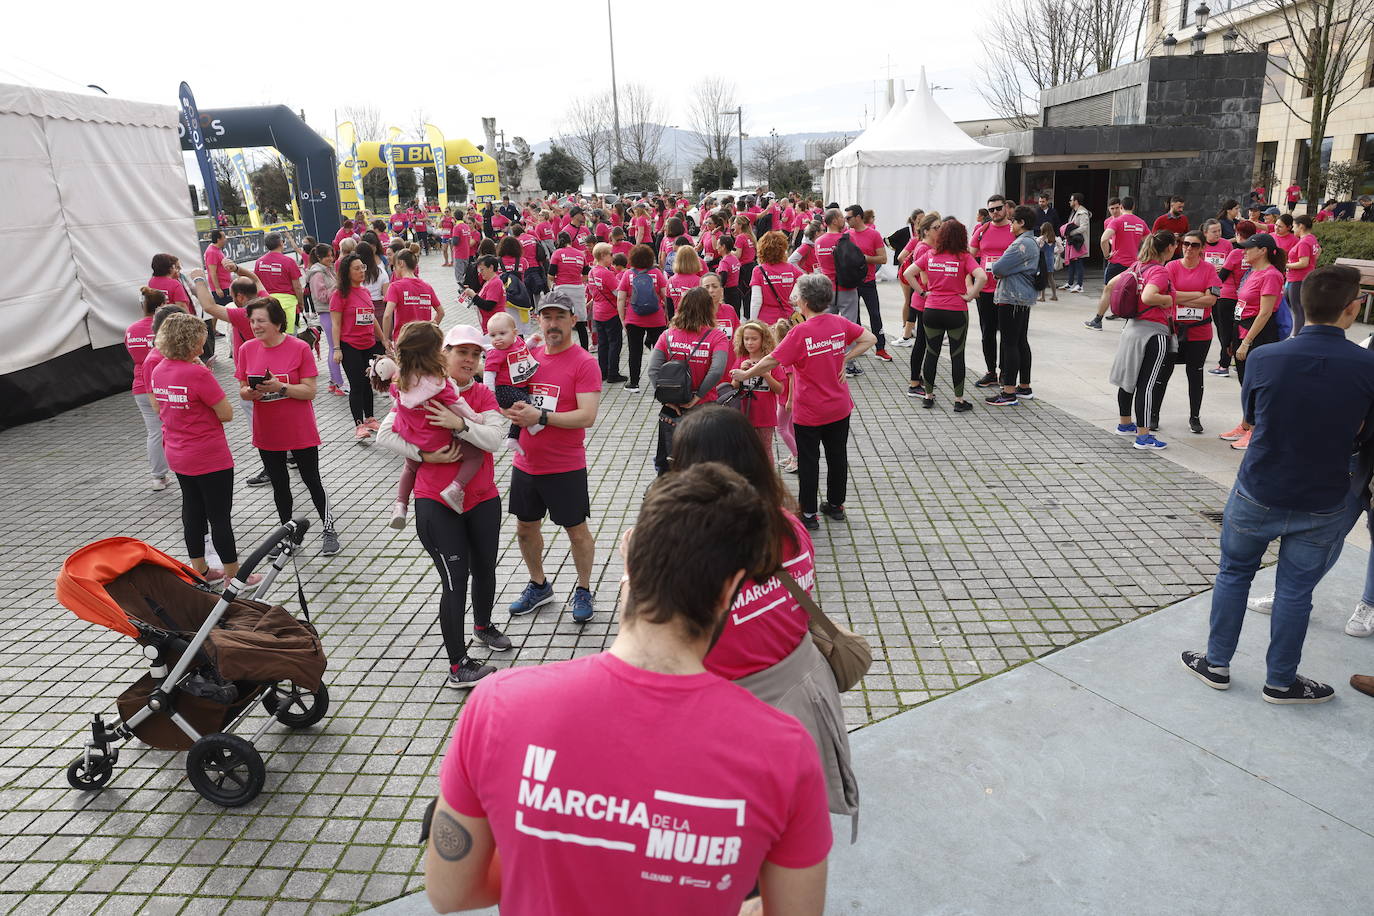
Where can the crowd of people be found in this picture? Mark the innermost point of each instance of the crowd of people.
(749, 311)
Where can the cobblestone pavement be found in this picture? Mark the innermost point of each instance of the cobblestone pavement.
(974, 542)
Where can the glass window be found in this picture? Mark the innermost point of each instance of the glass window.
(1365, 153)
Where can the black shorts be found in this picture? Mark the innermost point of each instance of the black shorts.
(562, 497)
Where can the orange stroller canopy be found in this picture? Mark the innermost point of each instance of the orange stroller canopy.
(81, 583)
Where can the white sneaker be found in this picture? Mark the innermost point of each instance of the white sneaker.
(159, 483)
(1264, 604)
(1064, 286)
(1078, 288)
(1361, 623)
(905, 342)
(398, 515)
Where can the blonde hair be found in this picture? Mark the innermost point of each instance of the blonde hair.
(600, 249)
(181, 337)
(766, 340)
(686, 260)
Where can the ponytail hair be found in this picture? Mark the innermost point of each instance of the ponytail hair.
(1278, 257)
(1155, 246)
(152, 299)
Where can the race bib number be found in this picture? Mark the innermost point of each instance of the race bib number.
(545, 397)
(1216, 259)
(1191, 313)
(365, 317)
(725, 327)
(522, 368)
(988, 261)
(276, 395)
(1240, 310)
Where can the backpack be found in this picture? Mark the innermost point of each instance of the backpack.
(674, 385)
(517, 294)
(763, 224)
(1126, 295)
(851, 268)
(644, 294)
(1042, 275)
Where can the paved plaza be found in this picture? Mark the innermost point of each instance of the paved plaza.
(975, 543)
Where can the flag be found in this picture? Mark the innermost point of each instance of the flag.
(190, 123)
(436, 146)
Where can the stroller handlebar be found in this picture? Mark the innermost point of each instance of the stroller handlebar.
(294, 529)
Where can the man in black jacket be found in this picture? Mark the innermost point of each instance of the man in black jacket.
(1045, 213)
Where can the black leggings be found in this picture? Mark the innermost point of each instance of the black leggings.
(1193, 357)
(987, 325)
(1224, 317)
(609, 338)
(582, 336)
(834, 438)
(207, 500)
(308, 464)
(461, 545)
(359, 388)
(1270, 334)
(868, 295)
(637, 340)
(938, 323)
(1013, 324)
(1149, 389)
(918, 350)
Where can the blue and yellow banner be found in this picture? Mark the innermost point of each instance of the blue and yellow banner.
(436, 146)
(245, 186)
(393, 191)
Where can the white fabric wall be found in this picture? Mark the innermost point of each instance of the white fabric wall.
(892, 192)
(90, 189)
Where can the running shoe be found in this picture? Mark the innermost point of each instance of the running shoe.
(1219, 370)
(533, 596)
(1125, 429)
(852, 370)
(1064, 286)
(1243, 442)
(1361, 623)
(258, 480)
(834, 513)
(1025, 393)
(1078, 287)
(790, 465)
(361, 433)
(1302, 691)
(1234, 434)
(1195, 425)
(1264, 604)
(338, 390)
(159, 483)
(1002, 399)
(466, 673)
(632, 387)
(1212, 676)
(617, 379)
(492, 638)
(1110, 317)
(988, 380)
(915, 391)
(329, 543)
(882, 354)
(1148, 443)
(961, 406)
(811, 522)
(583, 605)
(373, 423)
(1095, 324)
(904, 342)
(928, 403)
(398, 515)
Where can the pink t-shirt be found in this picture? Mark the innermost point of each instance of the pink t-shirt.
(512, 366)
(625, 285)
(678, 284)
(766, 624)
(815, 349)
(214, 268)
(727, 319)
(1215, 254)
(678, 344)
(431, 478)
(762, 409)
(1130, 230)
(809, 260)
(870, 242)
(1158, 276)
(462, 241)
(1197, 319)
(413, 299)
(1264, 281)
(562, 377)
(639, 230)
(948, 275)
(138, 340)
(412, 423)
(728, 269)
(492, 291)
(359, 317)
(567, 264)
(1235, 263)
(744, 248)
(176, 293)
(192, 436)
(990, 243)
(277, 271)
(825, 253)
(776, 282)
(601, 287)
(280, 423)
(1285, 242)
(721, 783)
(622, 248)
(1306, 247)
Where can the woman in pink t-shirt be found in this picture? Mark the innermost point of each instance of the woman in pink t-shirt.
(408, 298)
(276, 373)
(1196, 285)
(692, 337)
(687, 271)
(193, 411)
(924, 232)
(1302, 258)
(951, 279)
(1144, 348)
(642, 327)
(770, 288)
(357, 338)
(727, 319)
(138, 340)
(746, 249)
(602, 284)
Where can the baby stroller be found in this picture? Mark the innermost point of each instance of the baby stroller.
(211, 657)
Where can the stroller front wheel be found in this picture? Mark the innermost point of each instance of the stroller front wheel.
(90, 772)
(226, 769)
(294, 707)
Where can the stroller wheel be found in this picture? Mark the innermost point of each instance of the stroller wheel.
(90, 774)
(294, 707)
(226, 769)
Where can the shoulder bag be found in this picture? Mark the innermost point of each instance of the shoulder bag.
(848, 654)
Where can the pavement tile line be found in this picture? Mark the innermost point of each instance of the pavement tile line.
(975, 543)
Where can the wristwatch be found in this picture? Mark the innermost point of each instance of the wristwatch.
(543, 416)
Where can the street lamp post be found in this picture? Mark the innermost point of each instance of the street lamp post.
(615, 94)
(1170, 44)
(1199, 39)
(1230, 41)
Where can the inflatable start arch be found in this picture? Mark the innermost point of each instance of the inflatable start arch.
(357, 158)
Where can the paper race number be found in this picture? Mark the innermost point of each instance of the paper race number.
(1191, 313)
(365, 317)
(522, 367)
(545, 397)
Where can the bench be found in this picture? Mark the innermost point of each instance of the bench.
(1366, 269)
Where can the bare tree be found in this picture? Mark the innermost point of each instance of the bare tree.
(767, 155)
(1325, 41)
(714, 131)
(367, 121)
(587, 135)
(418, 120)
(642, 137)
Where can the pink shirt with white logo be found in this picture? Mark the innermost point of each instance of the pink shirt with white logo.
(697, 349)
(277, 271)
(815, 349)
(1196, 318)
(192, 435)
(728, 269)
(1129, 231)
(775, 282)
(562, 377)
(990, 242)
(825, 253)
(567, 264)
(721, 783)
(601, 287)
(948, 275)
(138, 340)
(1306, 247)
(280, 423)
(414, 300)
(1235, 263)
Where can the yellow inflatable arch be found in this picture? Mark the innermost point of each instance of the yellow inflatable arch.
(357, 158)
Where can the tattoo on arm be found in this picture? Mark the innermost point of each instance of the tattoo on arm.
(451, 839)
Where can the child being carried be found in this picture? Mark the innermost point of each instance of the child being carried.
(509, 370)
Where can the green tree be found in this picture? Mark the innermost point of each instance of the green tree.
(710, 174)
(270, 187)
(457, 183)
(791, 176)
(558, 171)
(634, 176)
(230, 200)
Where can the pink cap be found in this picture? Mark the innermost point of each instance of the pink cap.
(464, 334)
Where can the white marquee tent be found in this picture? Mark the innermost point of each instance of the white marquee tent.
(914, 156)
(90, 188)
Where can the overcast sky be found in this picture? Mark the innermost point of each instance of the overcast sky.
(804, 65)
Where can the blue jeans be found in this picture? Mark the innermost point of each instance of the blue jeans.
(1076, 272)
(1309, 544)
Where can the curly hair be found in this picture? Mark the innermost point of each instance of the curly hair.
(181, 337)
(772, 248)
(952, 238)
